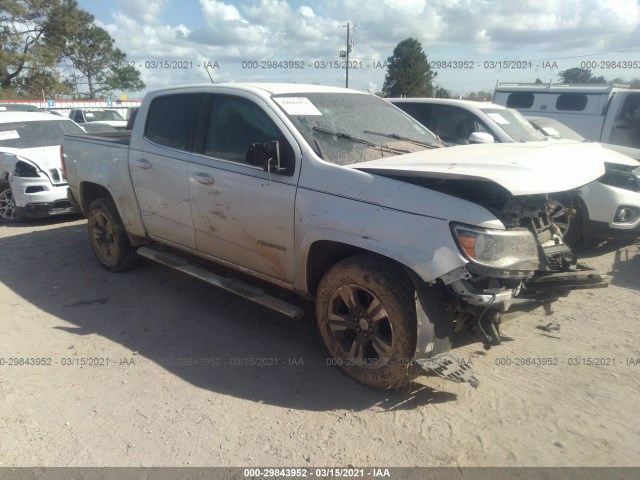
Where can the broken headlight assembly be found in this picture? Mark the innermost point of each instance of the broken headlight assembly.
(492, 251)
(25, 169)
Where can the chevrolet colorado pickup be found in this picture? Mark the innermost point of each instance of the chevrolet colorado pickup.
(344, 199)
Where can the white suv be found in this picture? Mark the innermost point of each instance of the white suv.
(32, 183)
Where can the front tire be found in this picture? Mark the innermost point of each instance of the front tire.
(8, 210)
(109, 239)
(559, 208)
(367, 319)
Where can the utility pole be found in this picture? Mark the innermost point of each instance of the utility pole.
(347, 52)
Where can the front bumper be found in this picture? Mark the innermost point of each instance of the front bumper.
(39, 198)
(539, 289)
(602, 205)
(605, 230)
(43, 210)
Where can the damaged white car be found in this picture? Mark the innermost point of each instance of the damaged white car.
(32, 184)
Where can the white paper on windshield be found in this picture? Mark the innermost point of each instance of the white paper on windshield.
(499, 119)
(9, 135)
(550, 131)
(88, 114)
(2, 109)
(297, 106)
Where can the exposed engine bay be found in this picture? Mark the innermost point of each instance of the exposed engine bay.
(483, 294)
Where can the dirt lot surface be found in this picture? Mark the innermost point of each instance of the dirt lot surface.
(118, 387)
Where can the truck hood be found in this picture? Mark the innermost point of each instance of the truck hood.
(521, 169)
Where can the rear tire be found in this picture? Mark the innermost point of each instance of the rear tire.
(109, 239)
(367, 319)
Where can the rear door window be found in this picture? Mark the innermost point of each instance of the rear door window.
(170, 120)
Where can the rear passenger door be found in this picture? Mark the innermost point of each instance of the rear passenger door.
(241, 213)
(159, 169)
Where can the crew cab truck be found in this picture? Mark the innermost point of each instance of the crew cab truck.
(607, 113)
(342, 198)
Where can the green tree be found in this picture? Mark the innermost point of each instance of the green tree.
(89, 49)
(39, 37)
(408, 71)
(442, 93)
(479, 96)
(23, 39)
(580, 75)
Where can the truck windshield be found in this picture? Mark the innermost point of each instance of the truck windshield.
(347, 128)
(514, 125)
(32, 134)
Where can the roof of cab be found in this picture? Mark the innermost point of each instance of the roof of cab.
(448, 101)
(259, 88)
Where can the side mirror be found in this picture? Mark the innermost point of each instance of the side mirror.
(265, 155)
(481, 137)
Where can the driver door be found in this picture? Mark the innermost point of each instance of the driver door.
(241, 213)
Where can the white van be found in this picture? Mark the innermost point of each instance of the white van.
(607, 113)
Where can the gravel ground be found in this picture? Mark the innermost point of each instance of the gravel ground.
(117, 384)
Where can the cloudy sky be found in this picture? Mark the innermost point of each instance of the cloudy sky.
(171, 41)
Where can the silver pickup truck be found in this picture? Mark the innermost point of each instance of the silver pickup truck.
(344, 199)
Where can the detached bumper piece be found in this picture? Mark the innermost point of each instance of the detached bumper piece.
(579, 279)
(450, 368)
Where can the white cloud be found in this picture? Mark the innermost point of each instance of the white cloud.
(142, 11)
(224, 28)
(306, 12)
(233, 31)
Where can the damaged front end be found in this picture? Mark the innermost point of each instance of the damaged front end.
(517, 269)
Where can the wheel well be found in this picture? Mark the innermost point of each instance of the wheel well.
(90, 192)
(324, 254)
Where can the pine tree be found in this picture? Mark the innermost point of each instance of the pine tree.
(408, 72)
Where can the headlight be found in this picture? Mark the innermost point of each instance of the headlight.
(24, 169)
(498, 249)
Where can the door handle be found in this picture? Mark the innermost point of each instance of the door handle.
(203, 178)
(142, 163)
